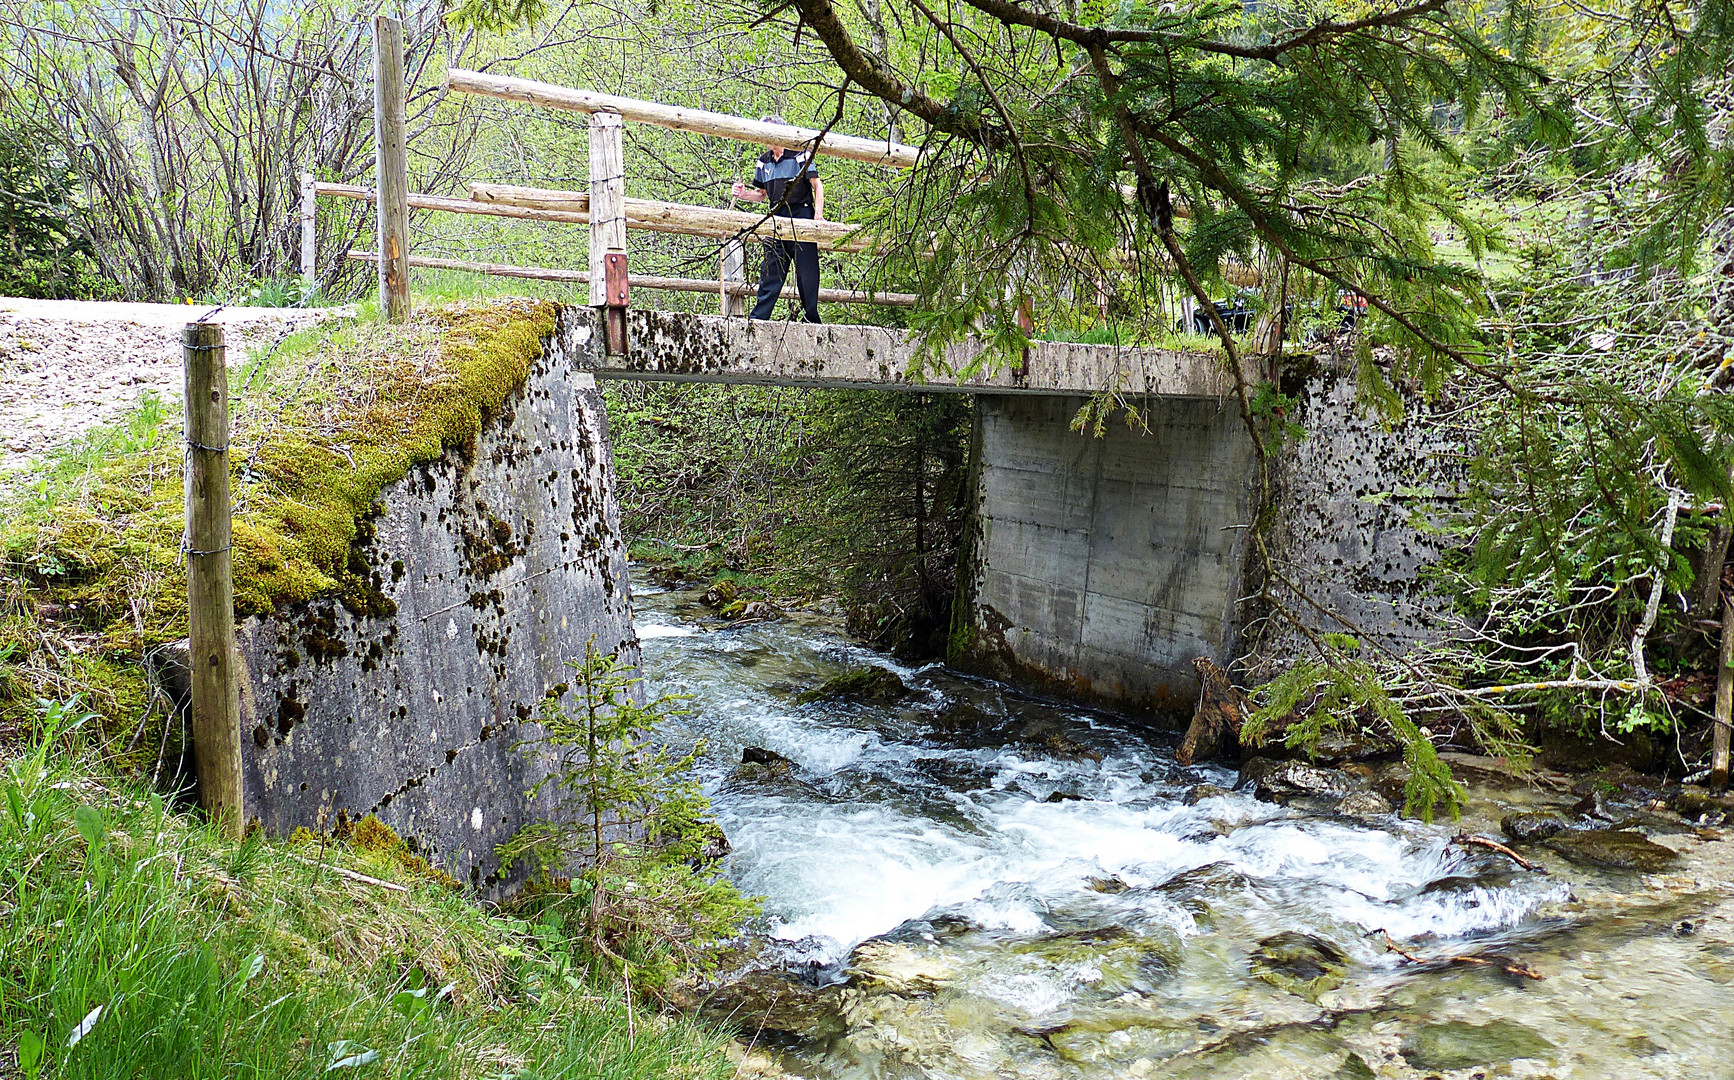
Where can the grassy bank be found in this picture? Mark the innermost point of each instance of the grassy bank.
(135, 942)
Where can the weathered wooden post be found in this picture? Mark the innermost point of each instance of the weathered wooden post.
(1724, 699)
(309, 237)
(391, 168)
(732, 269)
(608, 281)
(216, 701)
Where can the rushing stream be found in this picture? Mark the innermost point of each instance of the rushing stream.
(969, 883)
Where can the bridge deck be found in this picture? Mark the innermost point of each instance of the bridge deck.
(674, 347)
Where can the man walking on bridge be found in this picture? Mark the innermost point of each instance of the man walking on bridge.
(789, 182)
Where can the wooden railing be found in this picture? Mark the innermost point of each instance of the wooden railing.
(604, 207)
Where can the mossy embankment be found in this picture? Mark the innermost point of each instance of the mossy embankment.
(91, 578)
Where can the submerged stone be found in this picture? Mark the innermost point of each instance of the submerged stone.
(1615, 849)
(1457, 1044)
(872, 685)
(1533, 826)
(1300, 963)
(1197, 793)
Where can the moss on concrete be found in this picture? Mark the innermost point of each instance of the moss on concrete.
(90, 573)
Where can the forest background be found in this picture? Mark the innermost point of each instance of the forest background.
(1536, 200)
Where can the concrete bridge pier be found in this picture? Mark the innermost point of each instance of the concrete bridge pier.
(1099, 568)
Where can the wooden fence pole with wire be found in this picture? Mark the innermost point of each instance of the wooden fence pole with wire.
(216, 698)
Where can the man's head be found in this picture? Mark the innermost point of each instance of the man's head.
(774, 118)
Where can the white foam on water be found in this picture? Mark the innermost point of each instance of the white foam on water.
(651, 631)
(903, 846)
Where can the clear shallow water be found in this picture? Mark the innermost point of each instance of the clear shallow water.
(1117, 930)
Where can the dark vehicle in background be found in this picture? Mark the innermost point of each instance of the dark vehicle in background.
(1240, 314)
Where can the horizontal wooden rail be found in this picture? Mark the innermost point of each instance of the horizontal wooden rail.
(696, 121)
(642, 214)
(665, 284)
(680, 217)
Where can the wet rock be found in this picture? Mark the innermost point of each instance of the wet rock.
(1282, 781)
(1110, 884)
(1612, 848)
(1365, 804)
(720, 595)
(1392, 781)
(1062, 796)
(1533, 826)
(774, 1001)
(752, 611)
(873, 685)
(1694, 802)
(1199, 792)
(1456, 1044)
(757, 763)
(1045, 735)
(1300, 963)
(909, 970)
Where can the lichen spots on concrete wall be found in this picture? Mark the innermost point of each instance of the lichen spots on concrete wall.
(467, 595)
(1347, 502)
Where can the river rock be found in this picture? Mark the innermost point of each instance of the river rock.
(872, 684)
(720, 595)
(1300, 963)
(1533, 826)
(909, 970)
(1364, 804)
(1615, 849)
(1197, 793)
(1047, 736)
(757, 764)
(1694, 802)
(1281, 781)
(773, 1001)
(1456, 1044)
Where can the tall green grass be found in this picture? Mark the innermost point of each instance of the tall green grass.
(135, 942)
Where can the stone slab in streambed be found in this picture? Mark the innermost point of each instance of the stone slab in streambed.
(1101, 567)
(678, 347)
(493, 569)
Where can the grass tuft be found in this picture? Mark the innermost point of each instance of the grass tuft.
(134, 941)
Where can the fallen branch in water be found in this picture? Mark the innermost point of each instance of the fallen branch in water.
(1468, 840)
(1504, 963)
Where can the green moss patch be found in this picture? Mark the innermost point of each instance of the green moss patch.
(93, 577)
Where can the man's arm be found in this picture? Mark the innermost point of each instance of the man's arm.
(818, 199)
(747, 194)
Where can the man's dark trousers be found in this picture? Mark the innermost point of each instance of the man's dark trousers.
(775, 270)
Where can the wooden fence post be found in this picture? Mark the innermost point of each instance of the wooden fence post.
(608, 224)
(216, 702)
(1724, 699)
(733, 268)
(391, 168)
(309, 237)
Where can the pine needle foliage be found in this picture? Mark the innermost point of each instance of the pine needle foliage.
(1313, 699)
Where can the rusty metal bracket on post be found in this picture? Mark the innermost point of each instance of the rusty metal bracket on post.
(619, 293)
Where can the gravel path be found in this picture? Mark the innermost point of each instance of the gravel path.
(69, 365)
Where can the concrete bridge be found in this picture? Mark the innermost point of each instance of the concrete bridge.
(1096, 568)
